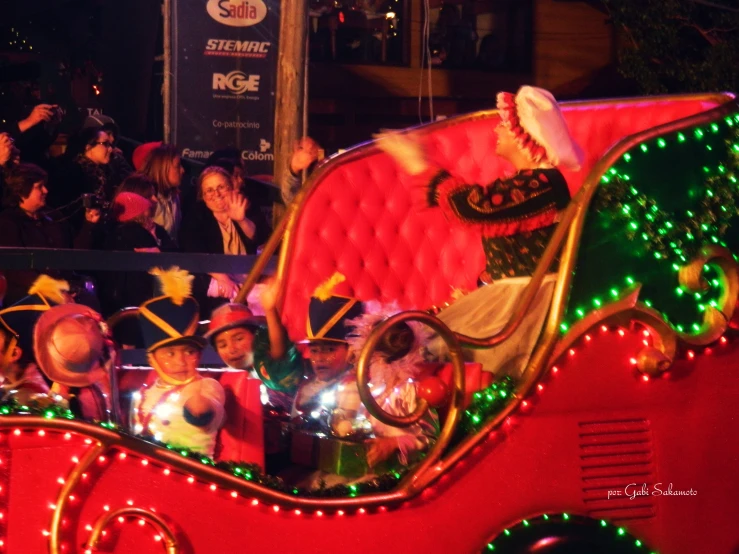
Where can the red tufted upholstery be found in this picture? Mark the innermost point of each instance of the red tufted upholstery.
(358, 217)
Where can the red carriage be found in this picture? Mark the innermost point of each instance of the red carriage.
(617, 439)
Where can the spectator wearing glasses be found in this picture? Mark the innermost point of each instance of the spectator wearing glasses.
(86, 170)
(118, 165)
(222, 221)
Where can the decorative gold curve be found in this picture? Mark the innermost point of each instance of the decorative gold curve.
(690, 276)
(613, 312)
(69, 484)
(657, 358)
(170, 541)
(363, 369)
(457, 397)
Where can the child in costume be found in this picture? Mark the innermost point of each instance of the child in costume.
(181, 408)
(517, 215)
(329, 402)
(259, 344)
(75, 350)
(21, 378)
(327, 350)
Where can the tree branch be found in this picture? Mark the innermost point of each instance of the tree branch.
(716, 5)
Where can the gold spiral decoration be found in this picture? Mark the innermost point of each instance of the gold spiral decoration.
(457, 393)
(170, 541)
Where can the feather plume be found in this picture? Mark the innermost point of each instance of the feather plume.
(50, 288)
(325, 290)
(174, 282)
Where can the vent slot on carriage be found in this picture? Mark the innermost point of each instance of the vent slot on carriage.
(616, 463)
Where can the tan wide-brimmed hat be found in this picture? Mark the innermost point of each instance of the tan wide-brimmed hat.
(71, 345)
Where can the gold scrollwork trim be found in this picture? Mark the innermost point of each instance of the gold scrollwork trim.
(70, 483)
(457, 396)
(170, 541)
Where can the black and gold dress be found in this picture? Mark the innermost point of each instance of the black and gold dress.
(517, 217)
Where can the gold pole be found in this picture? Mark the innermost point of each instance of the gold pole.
(264, 257)
(69, 484)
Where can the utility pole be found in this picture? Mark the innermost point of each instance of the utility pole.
(291, 102)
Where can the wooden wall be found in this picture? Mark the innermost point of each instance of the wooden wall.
(347, 103)
(572, 44)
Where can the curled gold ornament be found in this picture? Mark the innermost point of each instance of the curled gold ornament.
(70, 483)
(655, 359)
(363, 368)
(691, 277)
(168, 536)
(417, 478)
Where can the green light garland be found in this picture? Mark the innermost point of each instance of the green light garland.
(598, 529)
(622, 215)
(246, 471)
(486, 403)
(37, 407)
(670, 236)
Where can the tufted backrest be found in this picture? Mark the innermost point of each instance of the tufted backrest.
(360, 215)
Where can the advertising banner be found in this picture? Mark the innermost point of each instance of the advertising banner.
(224, 60)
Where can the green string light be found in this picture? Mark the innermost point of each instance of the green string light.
(600, 530)
(486, 403)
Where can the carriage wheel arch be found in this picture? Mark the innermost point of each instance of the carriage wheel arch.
(564, 533)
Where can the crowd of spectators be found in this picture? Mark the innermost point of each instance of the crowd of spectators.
(94, 197)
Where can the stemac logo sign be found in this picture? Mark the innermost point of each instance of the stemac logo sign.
(237, 13)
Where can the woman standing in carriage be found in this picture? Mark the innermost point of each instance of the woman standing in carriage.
(516, 214)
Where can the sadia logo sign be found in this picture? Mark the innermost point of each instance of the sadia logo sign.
(236, 82)
(237, 13)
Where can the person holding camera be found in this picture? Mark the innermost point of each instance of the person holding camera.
(33, 124)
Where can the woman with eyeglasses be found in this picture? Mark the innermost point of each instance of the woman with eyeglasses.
(86, 171)
(221, 222)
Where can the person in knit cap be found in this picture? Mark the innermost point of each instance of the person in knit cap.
(21, 378)
(516, 214)
(181, 408)
(141, 154)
